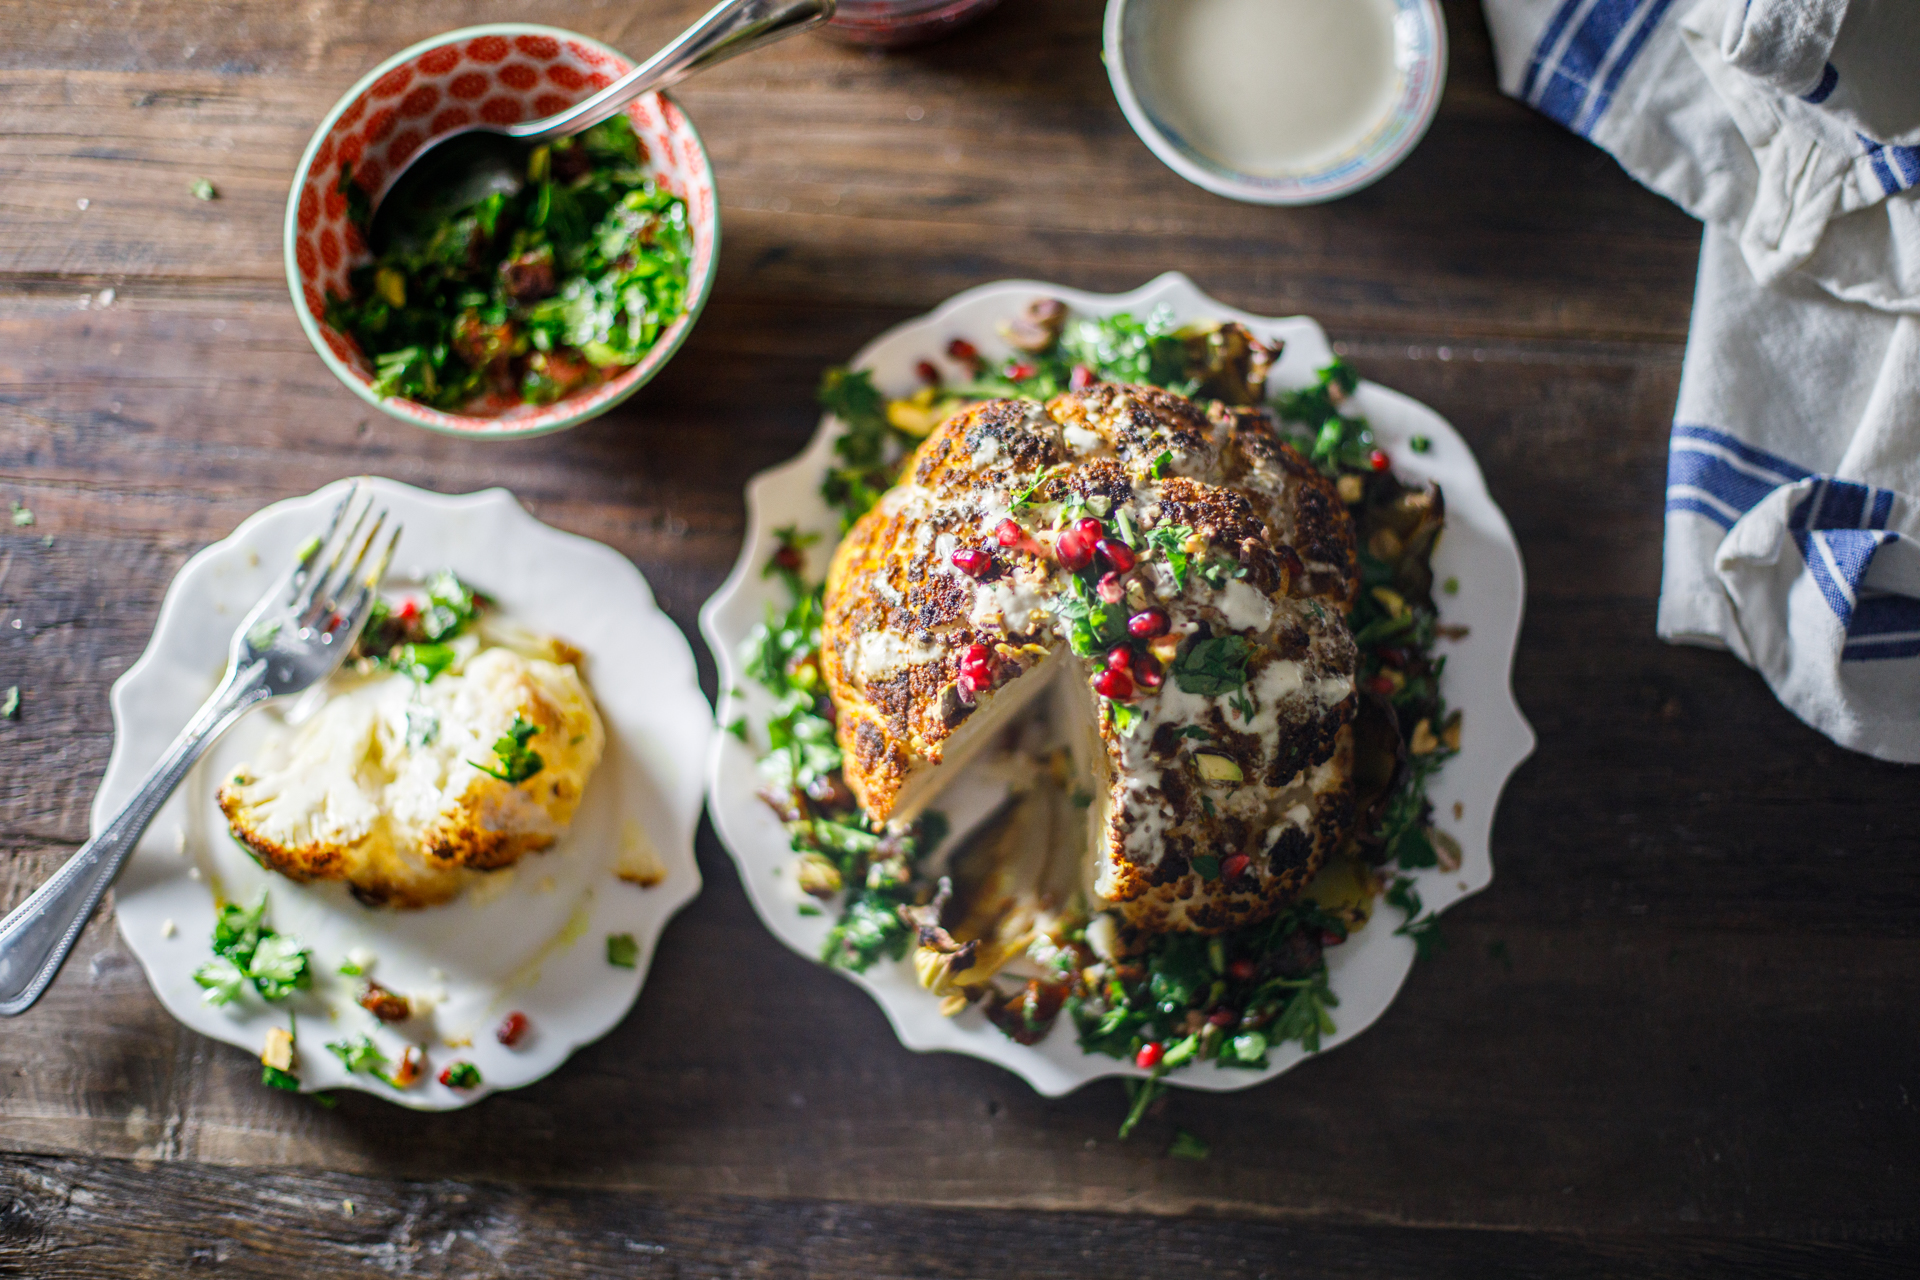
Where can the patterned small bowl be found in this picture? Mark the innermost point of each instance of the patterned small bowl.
(502, 72)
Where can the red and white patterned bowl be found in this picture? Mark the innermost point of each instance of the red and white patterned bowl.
(503, 73)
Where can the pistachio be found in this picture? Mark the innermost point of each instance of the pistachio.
(1217, 768)
(1423, 743)
(817, 876)
(1390, 600)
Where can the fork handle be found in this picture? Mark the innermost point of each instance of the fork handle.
(37, 935)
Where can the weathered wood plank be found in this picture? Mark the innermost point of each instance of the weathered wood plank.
(71, 1219)
(847, 177)
(1620, 1076)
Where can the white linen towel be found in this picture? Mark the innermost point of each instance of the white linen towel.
(1792, 128)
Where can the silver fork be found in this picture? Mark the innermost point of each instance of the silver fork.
(297, 636)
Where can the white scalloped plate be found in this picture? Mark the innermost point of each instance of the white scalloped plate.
(1478, 549)
(532, 942)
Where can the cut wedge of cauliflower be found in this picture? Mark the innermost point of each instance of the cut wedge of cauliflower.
(390, 786)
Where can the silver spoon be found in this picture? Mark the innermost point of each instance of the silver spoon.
(459, 168)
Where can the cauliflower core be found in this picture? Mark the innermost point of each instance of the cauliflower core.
(386, 786)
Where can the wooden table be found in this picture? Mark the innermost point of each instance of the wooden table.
(1698, 1055)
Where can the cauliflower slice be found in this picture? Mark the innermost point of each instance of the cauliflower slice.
(387, 786)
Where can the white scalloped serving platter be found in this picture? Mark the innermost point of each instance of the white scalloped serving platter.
(1478, 549)
(531, 941)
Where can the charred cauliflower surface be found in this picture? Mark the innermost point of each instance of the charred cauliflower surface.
(384, 787)
(1251, 782)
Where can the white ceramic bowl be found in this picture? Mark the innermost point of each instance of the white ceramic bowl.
(1420, 56)
(1478, 549)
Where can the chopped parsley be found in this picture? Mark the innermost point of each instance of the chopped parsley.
(1186, 1146)
(530, 296)
(248, 953)
(1212, 665)
(359, 1053)
(415, 636)
(623, 952)
(461, 1075)
(868, 453)
(518, 762)
(1170, 540)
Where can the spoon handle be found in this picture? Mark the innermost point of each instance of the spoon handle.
(729, 28)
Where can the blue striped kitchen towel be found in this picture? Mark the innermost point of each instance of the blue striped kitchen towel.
(1792, 129)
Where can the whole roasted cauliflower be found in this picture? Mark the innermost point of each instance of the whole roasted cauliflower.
(1183, 578)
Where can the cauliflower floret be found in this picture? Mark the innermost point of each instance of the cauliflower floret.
(391, 786)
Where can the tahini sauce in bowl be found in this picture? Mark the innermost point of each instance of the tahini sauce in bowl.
(1277, 101)
(1271, 86)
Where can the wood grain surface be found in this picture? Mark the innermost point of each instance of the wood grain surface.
(1700, 1054)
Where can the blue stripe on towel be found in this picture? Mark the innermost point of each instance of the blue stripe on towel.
(1884, 626)
(1839, 526)
(1897, 168)
(1548, 39)
(1712, 474)
(1574, 81)
(1829, 79)
(1604, 99)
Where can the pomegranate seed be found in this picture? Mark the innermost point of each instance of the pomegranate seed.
(1149, 623)
(1075, 552)
(928, 374)
(972, 561)
(1111, 589)
(976, 668)
(1116, 553)
(1081, 378)
(1009, 533)
(963, 351)
(1090, 529)
(409, 611)
(1242, 970)
(1117, 685)
(1393, 657)
(1380, 685)
(1230, 868)
(1020, 372)
(1146, 671)
(1119, 658)
(1331, 938)
(1223, 1018)
(1379, 460)
(511, 1029)
(1149, 1056)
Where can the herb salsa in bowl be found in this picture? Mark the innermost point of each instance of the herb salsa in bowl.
(502, 309)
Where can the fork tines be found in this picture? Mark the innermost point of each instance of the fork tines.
(334, 596)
